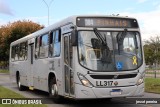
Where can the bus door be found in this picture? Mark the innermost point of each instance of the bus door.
(30, 69)
(68, 64)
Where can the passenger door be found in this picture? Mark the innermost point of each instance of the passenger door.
(30, 59)
(68, 64)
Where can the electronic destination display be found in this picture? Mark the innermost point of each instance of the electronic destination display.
(108, 22)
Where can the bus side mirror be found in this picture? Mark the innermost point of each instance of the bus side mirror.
(74, 38)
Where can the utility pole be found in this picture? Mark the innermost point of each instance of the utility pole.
(48, 6)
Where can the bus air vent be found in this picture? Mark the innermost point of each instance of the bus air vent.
(125, 76)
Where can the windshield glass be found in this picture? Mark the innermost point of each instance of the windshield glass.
(109, 51)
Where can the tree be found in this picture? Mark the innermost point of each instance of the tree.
(12, 32)
(149, 55)
(152, 50)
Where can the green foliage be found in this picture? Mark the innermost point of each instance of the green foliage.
(4, 71)
(152, 50)
(152, 85)
(149, 54)
(14, 31)
(6, 93)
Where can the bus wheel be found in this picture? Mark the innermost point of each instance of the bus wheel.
(53, 91)
(20, 87)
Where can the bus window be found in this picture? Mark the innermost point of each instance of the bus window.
(22, 53)
(13, 53)
(70, 51)
(66, 56)
(26, 50)
(129, 44)
(57, 47)
(17, 52)
(51, 40)
(44, 46)
(37, 43)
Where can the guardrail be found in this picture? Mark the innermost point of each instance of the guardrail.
(152, 73)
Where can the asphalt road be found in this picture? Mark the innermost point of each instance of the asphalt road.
(120, 102)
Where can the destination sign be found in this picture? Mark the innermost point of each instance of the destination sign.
(106, 22)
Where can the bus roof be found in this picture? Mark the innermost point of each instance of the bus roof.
(71, 19)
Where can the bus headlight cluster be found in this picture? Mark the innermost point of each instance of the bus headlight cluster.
(84, 80)
(141, 79)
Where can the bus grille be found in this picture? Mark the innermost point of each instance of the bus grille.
(113, 76)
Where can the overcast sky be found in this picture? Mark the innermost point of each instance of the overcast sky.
(146, 11)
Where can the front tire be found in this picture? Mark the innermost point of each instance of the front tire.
(53, 91)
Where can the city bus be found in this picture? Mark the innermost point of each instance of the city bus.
(81, 57)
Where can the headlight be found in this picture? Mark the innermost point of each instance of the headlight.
(84, 80)
(141, 79)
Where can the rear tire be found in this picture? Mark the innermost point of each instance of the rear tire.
(20, 86)
(53, 91)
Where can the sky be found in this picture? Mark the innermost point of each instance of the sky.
(147, 12)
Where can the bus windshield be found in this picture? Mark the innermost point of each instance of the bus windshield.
(109, 51)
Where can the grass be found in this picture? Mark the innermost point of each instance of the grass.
(4, 71)
(153, 68)
(6, 93)
(152, 72)
(152, 85)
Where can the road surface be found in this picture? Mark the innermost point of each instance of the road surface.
(120, 102)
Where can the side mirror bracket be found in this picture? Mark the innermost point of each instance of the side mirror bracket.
(74, 37)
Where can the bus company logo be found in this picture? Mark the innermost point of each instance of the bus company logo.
(115, 76)
(115, 83)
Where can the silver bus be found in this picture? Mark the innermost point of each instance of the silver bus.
(81, 57)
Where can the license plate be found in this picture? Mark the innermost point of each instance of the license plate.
(104, 83)
(116, 92)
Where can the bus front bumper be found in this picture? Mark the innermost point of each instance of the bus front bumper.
(82, 92)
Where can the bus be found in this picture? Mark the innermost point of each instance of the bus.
(81, 57)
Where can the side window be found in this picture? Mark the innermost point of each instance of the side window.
(70, 51)
(17, 52)
(51, 41)
(26, 50)
(57, 46)
(37, 43)
(66, 55)
(13, 53)
(21, 51)
(44, 46)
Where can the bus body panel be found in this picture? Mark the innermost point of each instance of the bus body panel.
(21, 67)
(37, 74)
(93, 93)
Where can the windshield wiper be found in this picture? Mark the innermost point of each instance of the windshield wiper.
(106, 54)
(120, 38)
(100, 37)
